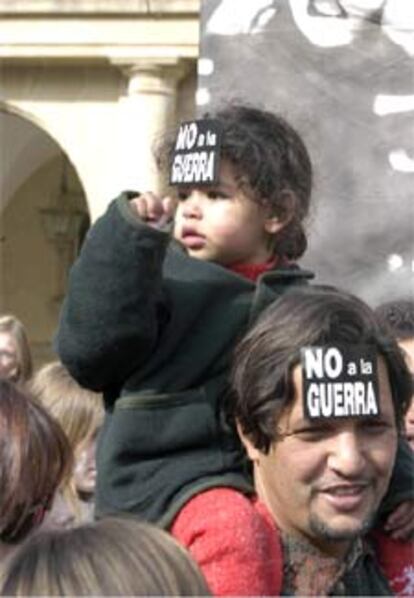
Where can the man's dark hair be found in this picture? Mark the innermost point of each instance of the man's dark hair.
(398, 315)
(262, 371)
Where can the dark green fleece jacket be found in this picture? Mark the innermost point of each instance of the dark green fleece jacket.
(154, 330)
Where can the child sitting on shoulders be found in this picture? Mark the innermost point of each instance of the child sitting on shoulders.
(151, 319)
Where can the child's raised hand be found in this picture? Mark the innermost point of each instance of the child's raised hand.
(153, 209)
(400, 524)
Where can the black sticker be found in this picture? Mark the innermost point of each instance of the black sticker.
(196, 153)
(340, 381)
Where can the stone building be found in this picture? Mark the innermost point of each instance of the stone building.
(85, 88)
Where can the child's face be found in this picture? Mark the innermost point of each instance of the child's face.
(85, 467)
(408, 348)
(221, 224)
(9, 367)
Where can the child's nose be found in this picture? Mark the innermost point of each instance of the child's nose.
(193, 205)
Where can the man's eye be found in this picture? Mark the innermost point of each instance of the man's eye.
(376, 427)
(312, 434)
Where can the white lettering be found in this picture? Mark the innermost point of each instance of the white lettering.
(186, 137)
(372, 406)
(348, 398)
(337, 399)
(352, 369)
(339, 406)
(193, 168)
(312, 401)
(313, 363)
(359, 398)
(333, 363)
(326, 400)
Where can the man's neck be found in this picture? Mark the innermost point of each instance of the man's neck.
(308, 570)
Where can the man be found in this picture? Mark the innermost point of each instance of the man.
(320, 395)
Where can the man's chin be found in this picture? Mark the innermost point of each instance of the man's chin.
(340, 527)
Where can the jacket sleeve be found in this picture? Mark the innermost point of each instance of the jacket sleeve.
(108, 324)
(235, 549)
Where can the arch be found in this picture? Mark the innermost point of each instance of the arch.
(39, 182)
(29, 164)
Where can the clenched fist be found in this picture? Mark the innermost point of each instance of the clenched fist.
(154, 210)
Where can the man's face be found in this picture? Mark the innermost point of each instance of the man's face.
(324, 480)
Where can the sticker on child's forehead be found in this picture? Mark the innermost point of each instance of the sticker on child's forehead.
(340, 381)
(196, 153)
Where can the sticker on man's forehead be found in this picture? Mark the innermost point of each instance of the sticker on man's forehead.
(340, 381)
(196, 153)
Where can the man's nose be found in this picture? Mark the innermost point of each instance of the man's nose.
(347, 454)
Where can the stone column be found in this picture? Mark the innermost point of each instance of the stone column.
(147, 111)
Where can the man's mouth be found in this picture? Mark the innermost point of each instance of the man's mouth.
(345, 497)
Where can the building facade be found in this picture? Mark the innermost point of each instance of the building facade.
(86, 87)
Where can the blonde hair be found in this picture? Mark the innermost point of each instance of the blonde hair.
(79, 411)
(112, 557)
(11, 325)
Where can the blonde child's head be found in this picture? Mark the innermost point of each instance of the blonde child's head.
(111, 557)
(15, 355)
(80, 413)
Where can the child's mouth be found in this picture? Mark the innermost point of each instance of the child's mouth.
(192, 239)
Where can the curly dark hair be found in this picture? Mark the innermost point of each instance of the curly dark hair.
(271, 164)
(315, 315)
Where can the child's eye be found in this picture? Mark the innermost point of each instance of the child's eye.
(217, 194)
(182, 195)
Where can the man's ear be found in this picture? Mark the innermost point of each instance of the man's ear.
(252, 451)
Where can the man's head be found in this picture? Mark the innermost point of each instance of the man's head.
(322, 479)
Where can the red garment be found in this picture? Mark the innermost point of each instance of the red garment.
(235, 542)
(253, 271)
(396, 559)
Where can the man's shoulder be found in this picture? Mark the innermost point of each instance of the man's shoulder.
(227, 510)
(235, 544)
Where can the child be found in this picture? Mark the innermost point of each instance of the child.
(80, 413)
(35, 458)
(152, 322)
(15, 354)
(399, 316)
(111, 557)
